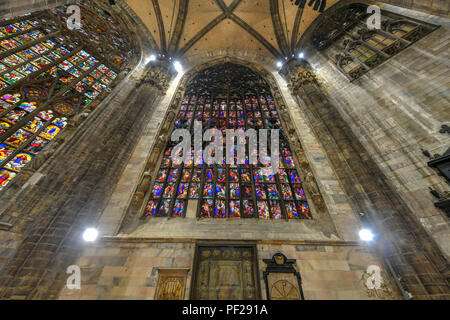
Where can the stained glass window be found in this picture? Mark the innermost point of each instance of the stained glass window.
(354, 48)
(48, 74)
(228, 96)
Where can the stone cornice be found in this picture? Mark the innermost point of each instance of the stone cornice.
(334, 243)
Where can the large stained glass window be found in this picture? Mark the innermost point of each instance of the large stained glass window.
(48, 74)
(355, 49)
(228, 96)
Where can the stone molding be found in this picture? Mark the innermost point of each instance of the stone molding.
(334, 243)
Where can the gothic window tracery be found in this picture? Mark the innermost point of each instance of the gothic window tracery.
(355, 49)
(49, 73)
(228, 96)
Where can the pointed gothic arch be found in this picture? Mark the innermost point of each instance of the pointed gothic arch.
(149, 178)
(51, 74)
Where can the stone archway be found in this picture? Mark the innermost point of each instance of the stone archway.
(136, 206)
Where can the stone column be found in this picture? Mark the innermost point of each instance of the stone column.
(70, 191)
(415, 260)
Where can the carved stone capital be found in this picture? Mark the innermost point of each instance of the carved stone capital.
(298, 73)
(158, 75)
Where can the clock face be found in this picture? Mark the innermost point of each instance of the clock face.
(283, 286)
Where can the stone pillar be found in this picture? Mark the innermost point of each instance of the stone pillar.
(415, 260)
(72, 188)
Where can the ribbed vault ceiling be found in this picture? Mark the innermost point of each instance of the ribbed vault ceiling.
(185, 28)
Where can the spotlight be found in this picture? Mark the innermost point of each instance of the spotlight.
(279, 64)
(301, 55)
(366, 235)
(90, 234)
(177, 65)
(151, 58)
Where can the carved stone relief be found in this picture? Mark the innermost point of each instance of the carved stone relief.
(378, 292)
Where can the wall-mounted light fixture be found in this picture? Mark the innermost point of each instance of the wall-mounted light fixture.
(90, 234)
(177, 65)
(366, 234)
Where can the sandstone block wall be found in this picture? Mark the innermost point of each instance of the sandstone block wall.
(395, 110)
(127, 269)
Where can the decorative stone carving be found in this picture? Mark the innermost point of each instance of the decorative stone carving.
(152, 160)
(79, 118)
(304, 164)
(298, 73)
(287, 121)
(155, 78)
(157, 149)
(142, 188)
(314, 190)
(168, 122)
(302, 77)
(159, 145)
(158, 75)
(382, 292)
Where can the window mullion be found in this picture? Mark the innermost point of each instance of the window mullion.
(28, 44)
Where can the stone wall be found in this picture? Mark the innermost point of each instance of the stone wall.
(395, 110)
(42, 221)
(97, 190)
(330, 272)
(72, 192)
(127, 268)
(337, 222)
(434, 7)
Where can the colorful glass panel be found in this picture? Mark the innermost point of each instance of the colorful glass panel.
(39, 81)
(227, 97)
